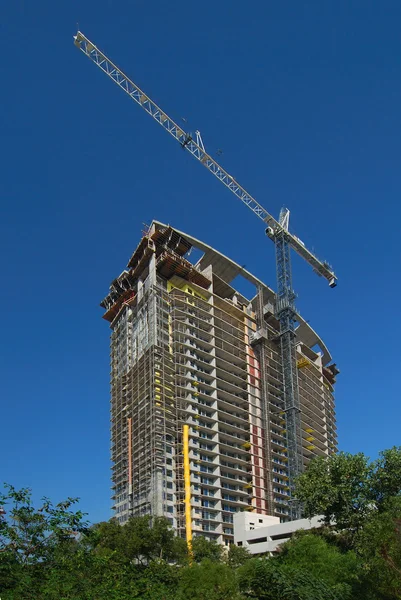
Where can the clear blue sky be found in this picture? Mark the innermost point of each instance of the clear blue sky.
(304, 100)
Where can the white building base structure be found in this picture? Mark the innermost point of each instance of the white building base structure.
(263, 534)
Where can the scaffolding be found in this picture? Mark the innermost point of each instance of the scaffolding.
(143, 406)
(188, 350)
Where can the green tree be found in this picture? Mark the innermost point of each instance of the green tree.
(379, 546)
(363, 500)
(385, 477)
(237, 556)
(314, 554)
(336, 487)
(203, 548)
(50, 553)
(159, 581)
(30, 538)
(347, 488)
(87, 574)
(29, 534)
(141, 539)
(268, 579)
(209, 580)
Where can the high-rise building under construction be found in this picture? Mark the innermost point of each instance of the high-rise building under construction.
(187, 348)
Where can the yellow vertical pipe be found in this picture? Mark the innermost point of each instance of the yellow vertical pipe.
(129, 449)
(187, 487)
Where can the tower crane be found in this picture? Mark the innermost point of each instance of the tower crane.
(276, 230)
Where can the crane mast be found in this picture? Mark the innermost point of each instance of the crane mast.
(277, 231)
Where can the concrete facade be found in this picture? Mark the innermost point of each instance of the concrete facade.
(263, 535)
(184, 350)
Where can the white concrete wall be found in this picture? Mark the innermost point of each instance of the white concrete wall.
(263, 534)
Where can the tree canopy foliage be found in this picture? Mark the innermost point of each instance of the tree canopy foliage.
(361, 502)
(51, 553)
(347, 489)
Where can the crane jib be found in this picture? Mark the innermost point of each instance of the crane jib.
(186, 141)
